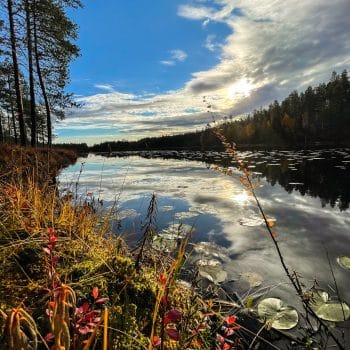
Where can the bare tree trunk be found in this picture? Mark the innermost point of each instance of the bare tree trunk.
(8, 125)
(12, 114)
(19, 102)
(41, 81)
(1, 130)
(31, 77)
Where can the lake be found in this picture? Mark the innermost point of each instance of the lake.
(307, 192)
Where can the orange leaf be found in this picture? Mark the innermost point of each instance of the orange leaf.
(271, 223)
(94, 292)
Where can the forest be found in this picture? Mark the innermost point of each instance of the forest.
(319, 116)
(36, 48)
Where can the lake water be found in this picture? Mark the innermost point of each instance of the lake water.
(307, 192)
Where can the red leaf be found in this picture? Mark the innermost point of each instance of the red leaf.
(50, 231)
(232, 329)
(50, 246)
(55, 259)
(52, 304)
(162, 279)
(101, 300)
(226, 346)
(49, 336)
(173, 315)
(164, 302)
(94, 292)
(230, 320)
(84, 330)
(156, 341)
(52, 239)
(85, 306)
(220, 339)
(89, 316)
(173, 334)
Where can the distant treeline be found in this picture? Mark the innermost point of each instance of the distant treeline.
(80, 148)
(318, 116)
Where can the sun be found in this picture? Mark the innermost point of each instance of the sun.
(239, 89)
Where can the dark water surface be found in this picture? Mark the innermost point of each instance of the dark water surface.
(307, 192)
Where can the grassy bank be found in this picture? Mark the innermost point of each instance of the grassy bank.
(39, 164)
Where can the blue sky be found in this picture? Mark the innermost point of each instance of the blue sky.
(145, 66)
(124, 42)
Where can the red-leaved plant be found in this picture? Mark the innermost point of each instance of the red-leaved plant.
(87, 315)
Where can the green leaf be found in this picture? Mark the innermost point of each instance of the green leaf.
(212, 270)
(328, 310)
(344, 261)
(334, 312)
(273, 312)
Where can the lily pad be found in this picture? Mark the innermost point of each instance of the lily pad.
(328, 310)
(127, 213)
(253, 278)
(209, 249)
(252, 221)
(185, 215)
(178, 230)
(212, 270)
(203, 209)
(165, 243)
(167, 208)
(344, 261)
(276, 314)
(334, 312)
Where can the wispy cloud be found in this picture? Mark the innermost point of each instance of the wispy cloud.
(178, 55)
(106, 87)
(210, 43)
(175, 56)
(168, 62)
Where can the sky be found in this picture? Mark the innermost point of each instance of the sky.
(146, 67)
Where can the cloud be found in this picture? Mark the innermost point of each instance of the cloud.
(210, 44)
(168, 63)
(175, 56)
(106, 87)
(276, 46)
(179, 55)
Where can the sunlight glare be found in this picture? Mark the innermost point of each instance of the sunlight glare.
(241, 88)
(241, 198)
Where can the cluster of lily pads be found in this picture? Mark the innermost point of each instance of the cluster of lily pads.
(168, 239)
(275, 314)
(271, 311)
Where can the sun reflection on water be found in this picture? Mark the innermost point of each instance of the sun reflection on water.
(241, 198)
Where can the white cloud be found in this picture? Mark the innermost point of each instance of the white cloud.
(176, 56)
(106, 87)
(168, 63)
(210, 43)
(274, 47)
(179, 55)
